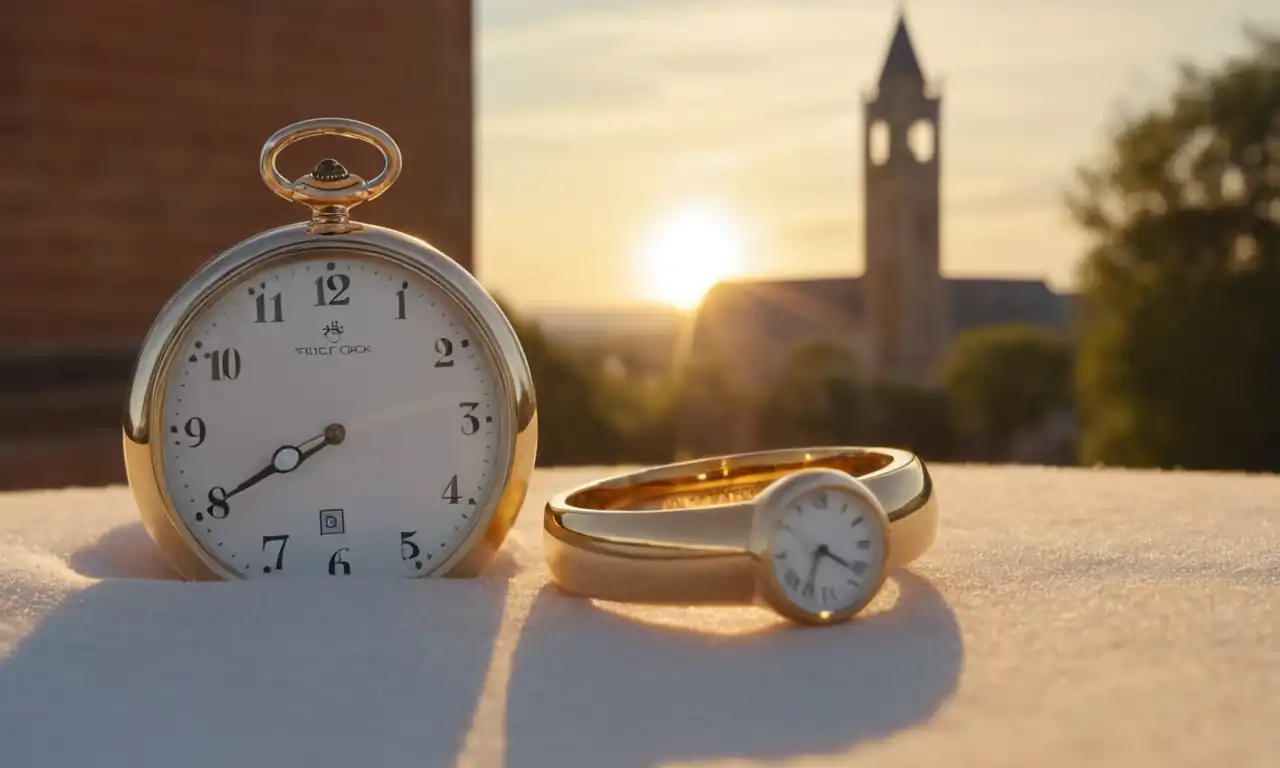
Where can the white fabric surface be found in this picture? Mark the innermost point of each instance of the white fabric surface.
(1064, 618)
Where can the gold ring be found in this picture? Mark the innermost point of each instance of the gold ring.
(811, 533)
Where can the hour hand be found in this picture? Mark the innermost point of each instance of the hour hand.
(827, 552)
(289, 457)
(256, 478)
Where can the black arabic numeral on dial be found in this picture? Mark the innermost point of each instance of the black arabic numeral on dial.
(224, 364)
(336, 562)
(400, 304)
(195, 430)
(451, 494)
(218, 507)
(470, 424)
(445, 348)
(277, 310)
(407, 541)
(335, 284)
(283, 539)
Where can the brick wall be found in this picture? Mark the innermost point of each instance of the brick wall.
(129, 140)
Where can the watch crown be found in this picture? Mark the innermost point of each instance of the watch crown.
(329, 170)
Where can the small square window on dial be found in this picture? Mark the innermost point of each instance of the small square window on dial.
(331, 522)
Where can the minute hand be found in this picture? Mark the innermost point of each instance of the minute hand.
(303, 455)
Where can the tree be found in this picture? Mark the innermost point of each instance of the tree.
(710, 408)
(573, 427)
(1179, 363)
(817, 400)
(641, 410)
(1002, 380)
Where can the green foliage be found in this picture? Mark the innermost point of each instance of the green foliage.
(570, 428)
(1179, 362)
(641, 413)
(589, 415)
(713, 411)
(822, 399)
(817, 400)
(1004, 379)
(593, 414)
(917, 419)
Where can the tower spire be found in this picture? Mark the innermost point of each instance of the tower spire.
(901, 62)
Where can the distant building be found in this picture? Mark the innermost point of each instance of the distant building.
(750, 326)
(900, 317)
(130, 140)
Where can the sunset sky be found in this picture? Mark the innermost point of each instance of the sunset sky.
(618, 139)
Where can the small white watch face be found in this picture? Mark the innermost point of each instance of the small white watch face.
(828, 551)
(335, 416)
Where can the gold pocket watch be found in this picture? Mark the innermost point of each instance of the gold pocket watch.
(330, 398)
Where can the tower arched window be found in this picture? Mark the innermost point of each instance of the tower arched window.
(921, 140)
(878, 143)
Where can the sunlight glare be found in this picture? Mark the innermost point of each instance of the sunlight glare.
(689, 252)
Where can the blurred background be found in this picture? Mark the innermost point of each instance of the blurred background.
(985, 230)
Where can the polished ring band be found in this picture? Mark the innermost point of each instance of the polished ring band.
(811, 532)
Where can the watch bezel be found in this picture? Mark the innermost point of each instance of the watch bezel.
(143, 456)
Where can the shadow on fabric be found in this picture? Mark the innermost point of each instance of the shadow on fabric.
(142, 670)
(590, 687)
(125, 552)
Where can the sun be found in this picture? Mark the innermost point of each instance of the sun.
(688, 252)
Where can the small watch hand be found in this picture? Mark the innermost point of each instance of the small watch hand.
(837, 558)
(289, 457)
(813, 571)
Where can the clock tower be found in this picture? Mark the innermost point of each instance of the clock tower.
(906, 312)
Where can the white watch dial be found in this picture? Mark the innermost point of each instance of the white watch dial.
(828, 551)
(332, 415)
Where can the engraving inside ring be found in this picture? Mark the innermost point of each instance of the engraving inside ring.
(693, 498)
(727, 485)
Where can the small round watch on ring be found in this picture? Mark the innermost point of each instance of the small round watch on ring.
(811, 533)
